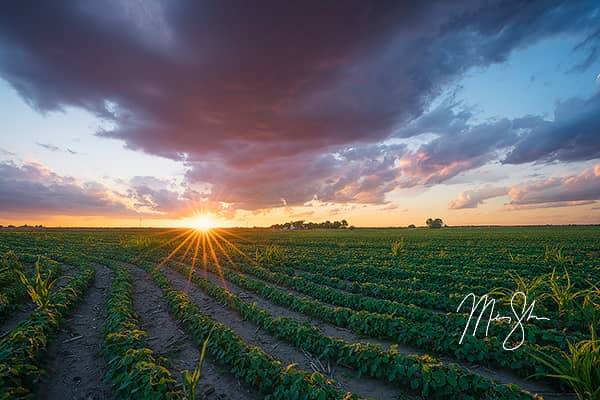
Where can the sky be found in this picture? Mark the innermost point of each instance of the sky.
(158, 113)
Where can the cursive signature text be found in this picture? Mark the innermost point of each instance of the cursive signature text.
(520, 315)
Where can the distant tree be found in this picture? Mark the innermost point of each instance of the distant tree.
(301, 224)
(298, 224)
(434, 223)
(411, 226)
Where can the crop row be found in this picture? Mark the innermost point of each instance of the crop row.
(368, 297)
(246, 362)
(425, 291)
(22, 351)
(425, 375)
(132, 368)
(422, 335)
(12, 291)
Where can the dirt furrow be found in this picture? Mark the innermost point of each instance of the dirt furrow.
(167, 339)
(498, 375)
(280, 349)
(75, 366)
(280, 311)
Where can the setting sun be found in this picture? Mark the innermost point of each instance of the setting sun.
(203, 223)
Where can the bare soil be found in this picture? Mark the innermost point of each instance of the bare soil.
(75, 366)
(502, 376)
(167, 339)
(280, 349)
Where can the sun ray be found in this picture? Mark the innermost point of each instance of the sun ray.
(174, 251)
(236, 249)
(194, 257)
(224, 252)
(216, 261)
(236, 236)
(149, 252)
(204, 256)
(193, 233)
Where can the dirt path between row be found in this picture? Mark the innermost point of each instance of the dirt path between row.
(280, 349)
(499, 375)
(74, 363)
(167, 339)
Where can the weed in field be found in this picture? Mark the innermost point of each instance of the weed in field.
(8, 264)
(144, 242)
(563, 294)
(518, 258)
(398, 247)
(39, 287)
(272, 254)
(555, 254)
(190, 381)
(579, 367)
(531, 288)
(589, 310)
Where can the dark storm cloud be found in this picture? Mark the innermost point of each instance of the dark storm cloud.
(261, 100)
(32, 188)
(573, 135)
(361, 175)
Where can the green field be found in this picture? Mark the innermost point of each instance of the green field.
(294, 314)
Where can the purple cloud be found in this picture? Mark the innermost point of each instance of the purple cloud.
(473, 198)
(266, 111)
(32, 188)
(568, 191)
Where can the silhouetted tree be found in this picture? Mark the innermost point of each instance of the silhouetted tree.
(301, 224)
(434, 223)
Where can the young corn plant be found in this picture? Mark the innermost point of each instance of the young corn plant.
(272, 254)
(555, 254)
(9, 263)
(398, 247)
(563, 294)
(531, 288)
(190, 381)
(39, 287)
(589, 310)
(579, 367)
(518, 258)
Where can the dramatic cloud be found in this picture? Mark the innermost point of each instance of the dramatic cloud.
(569, 191)
(32, 188)
(266, 103)
(359, 175)
(448, 155)
(473, 198)
(577, 190)
(573, 135)
(171, 198)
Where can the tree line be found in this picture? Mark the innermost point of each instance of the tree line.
(301, 224)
